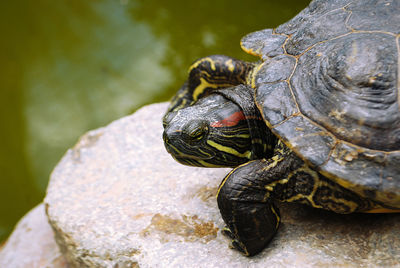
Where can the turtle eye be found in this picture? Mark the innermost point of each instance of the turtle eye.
(196, 130)
(198, 133)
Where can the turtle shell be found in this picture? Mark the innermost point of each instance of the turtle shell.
(329, 87)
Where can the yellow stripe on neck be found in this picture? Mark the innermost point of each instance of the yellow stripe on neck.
(229, 150)
(200, 88)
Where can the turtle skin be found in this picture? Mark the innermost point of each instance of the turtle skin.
(322, 109)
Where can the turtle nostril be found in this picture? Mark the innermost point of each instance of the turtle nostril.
(168, 118)
(165, 137)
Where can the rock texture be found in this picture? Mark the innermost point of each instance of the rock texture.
(117, 199)
(32, 244)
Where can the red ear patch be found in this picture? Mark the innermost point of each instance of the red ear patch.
(230, 121)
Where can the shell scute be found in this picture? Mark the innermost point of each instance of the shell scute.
(263, 43)
(315, 9)
(376, 171)
(349, 86)
(276, 102)
(273, 70)
(365, 18)
(305, 138)
(315, 30)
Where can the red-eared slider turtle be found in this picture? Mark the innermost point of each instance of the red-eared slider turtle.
(316, 121)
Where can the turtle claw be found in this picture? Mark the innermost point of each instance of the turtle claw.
(227, 232)
(235, 243)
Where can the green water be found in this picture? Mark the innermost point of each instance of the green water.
(70, 66)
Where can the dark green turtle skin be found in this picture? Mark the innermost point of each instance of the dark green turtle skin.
(316, 121)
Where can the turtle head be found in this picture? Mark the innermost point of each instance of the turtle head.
(213, 132)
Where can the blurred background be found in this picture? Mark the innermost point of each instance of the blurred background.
(70, 66)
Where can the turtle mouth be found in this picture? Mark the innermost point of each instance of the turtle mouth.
(182, 152)
(180, 156)
(191, 161)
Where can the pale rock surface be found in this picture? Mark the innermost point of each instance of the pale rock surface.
(32, 244)
(117, 199)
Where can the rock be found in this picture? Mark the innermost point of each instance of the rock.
(117, 199)
(32, 244)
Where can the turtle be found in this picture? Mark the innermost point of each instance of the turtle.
(315, 120)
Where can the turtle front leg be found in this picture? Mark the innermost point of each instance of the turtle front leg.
(247, 208)
(209, 74)
(247, 194)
